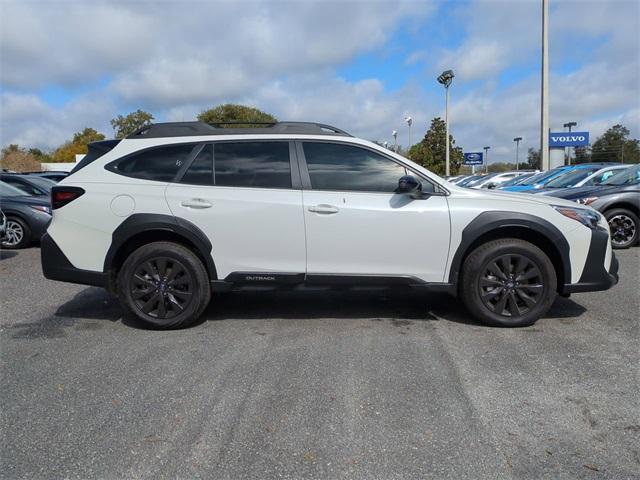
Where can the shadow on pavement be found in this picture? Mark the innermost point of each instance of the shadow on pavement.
(4, 254)
(397, 305)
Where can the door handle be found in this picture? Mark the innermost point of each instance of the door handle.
(323, 208)
(197, 203)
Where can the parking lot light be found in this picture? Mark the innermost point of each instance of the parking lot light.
(517, 140)
(445, 79)
(486, 159)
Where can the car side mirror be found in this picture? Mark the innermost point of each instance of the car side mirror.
(491, 185)
(409, 185)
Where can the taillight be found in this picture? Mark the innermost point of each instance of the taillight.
(60, 195)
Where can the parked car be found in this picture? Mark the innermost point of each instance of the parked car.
(536, 181)
(55, 175)
(471, 178)
(176, 210)
(27, 216)
(459, 179)
(499, 179)
(579, 176)
(29, 184)
(3, 225)
(517, 180)
(618, 198)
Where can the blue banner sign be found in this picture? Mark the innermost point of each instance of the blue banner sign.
(473, 158)
(568, 139)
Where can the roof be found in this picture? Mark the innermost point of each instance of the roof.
(185, 129)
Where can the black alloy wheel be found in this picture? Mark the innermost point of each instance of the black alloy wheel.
(508, 282)
(161, 287)
(164, 284)
(511, 285)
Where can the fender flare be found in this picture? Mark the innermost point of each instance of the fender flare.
(143, 222)
(495, 220)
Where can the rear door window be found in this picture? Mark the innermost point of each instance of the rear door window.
(252, 164)
(200, 172)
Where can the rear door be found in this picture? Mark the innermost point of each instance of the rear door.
(246, 197)
(357, 226)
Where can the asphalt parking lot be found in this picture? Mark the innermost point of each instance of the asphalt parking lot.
(362, 385)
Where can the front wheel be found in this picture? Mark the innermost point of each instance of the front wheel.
(165, 285)
(508, 283)
(624, 227)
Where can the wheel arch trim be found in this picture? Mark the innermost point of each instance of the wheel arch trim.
(139, 223)
(494, 221)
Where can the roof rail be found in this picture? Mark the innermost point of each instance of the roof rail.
(185, 129)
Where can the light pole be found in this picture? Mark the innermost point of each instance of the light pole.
(445, 79)
(517, 140)
(409, 121)
(486, 159)
(544, 89)
(569, 125)
(394, 134)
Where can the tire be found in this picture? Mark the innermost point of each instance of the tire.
(624, 227)
(165, 285)
(18, 234)
(491, 283)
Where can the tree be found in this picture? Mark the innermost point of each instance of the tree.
(582, 155)
(123, 126)
(67, 152)
(41, 156)
(614, 145)
(498, 167)
(18, 159)
(230, 112)
(431, 151)
(533, 158)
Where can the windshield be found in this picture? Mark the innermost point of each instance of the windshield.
(517, 180)
(43, 183)
(539, 177)
(7, 190)
(570, 178)
(466, 181)
(628, 176)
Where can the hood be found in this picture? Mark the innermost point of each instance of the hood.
(581, 192)
(519, 188)
(516, 197)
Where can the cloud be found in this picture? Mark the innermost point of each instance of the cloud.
(178, 58)
(27, 120)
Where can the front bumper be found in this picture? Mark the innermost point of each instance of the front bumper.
(595, 276)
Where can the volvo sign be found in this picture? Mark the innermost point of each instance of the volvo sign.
(473, 158)
(568, 139)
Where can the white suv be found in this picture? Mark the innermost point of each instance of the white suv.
(178, 210)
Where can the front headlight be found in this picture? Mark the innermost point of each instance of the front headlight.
(589, 218)
(586, 200)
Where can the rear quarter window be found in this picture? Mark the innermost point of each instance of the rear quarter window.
(158, 163)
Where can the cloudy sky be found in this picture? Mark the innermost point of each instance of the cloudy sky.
(360, 65)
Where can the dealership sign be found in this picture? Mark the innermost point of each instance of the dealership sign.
(569, 139)
(473, 158)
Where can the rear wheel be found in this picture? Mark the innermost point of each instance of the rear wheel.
(18, 234)
(624, 227)
(165, 285)
(508, 283)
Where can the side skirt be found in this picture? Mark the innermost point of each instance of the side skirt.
(282, 281)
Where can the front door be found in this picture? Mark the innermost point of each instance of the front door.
(356, 225)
